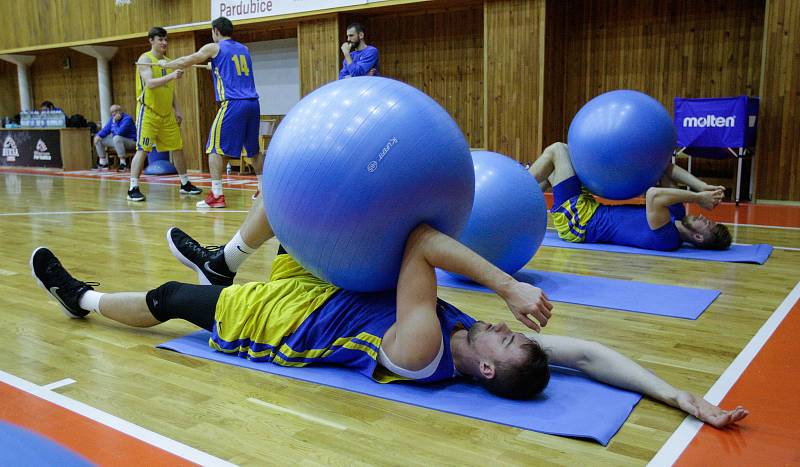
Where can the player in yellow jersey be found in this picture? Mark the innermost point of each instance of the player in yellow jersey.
(157, 115)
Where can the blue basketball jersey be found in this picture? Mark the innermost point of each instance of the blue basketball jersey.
(297, 319)
(233, 72)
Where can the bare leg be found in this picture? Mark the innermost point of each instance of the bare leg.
(127, 308)
(137, 165)
(258, 163)
(177, 159)
(216, 164)
(553, 166)
(255, 230)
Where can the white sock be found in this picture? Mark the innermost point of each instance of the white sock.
(90, 301)
(104, 160)
(134, 182)
(216, 187)
(236, 251)
(122, 160)
(184, 179)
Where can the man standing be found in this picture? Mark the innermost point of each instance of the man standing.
(119, 133)
(157, 114)
(360, 59)
(237, 121)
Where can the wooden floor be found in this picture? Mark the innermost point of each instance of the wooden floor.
(100, 236)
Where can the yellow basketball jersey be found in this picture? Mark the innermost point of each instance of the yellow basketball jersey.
(159, 99)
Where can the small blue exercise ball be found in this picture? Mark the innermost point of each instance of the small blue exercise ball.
(620, 143)
(509, 213)
(353, 168)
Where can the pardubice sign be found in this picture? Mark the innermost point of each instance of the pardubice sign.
(247, 9)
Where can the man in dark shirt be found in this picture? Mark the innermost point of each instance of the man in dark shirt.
(660, 224)
(360, 59)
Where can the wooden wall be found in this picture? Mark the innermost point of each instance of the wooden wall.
(73, 89)
(777, 159)
(680, 48)
(439, 51)
(318, 42)
(123, 75)
(9, 92)
(515, 36)
(39, 22)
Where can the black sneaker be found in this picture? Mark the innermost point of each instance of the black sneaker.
(122, 167)
(100, 166)
(208, 262)
(189, 189)
(53, 278)
(135, 195)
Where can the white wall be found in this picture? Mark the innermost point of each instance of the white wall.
(277, 73)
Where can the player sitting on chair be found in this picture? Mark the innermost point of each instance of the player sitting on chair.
(297, 319)
(660, 224)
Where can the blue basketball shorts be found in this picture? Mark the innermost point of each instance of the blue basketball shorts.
(235, 127)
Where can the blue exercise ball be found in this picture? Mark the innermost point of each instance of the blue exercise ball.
(353, 168)
(509, 214)
(620, 143)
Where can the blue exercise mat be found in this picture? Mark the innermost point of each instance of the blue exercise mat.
(571, 405)
(757, 254)
(617, 294)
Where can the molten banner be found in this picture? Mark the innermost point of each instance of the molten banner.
(728, 122)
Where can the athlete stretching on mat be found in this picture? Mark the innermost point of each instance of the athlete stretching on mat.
(297, 319)
(236, 124)
(661, 224)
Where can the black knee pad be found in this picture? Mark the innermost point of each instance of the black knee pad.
(157, 299)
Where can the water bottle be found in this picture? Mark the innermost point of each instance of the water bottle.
(228, 169)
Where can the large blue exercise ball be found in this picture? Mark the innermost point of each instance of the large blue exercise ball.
(509, 213)
(620, 143)
(353, 168)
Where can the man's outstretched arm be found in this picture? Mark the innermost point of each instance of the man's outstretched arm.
(609, 366)
(658, 201)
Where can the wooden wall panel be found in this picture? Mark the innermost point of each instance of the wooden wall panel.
(123, 75)
(187, 94)
(318, 42)
(514, 40)
(73, 89)
(437, 51)
(777, 160)
(39, 22)
(9, 91)
(666, 49)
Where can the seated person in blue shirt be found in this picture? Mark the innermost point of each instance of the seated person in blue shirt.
(119, 133)
(360, 59)
(408, 334)
(660, 224)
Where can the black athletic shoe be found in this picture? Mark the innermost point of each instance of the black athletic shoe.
(52, 277)
(189, 189)
(135, 195)
(122, 167)
(208, 262)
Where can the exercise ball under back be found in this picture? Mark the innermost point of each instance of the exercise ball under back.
(620, 143)
(353, 168)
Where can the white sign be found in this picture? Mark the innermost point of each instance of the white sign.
(246, 9)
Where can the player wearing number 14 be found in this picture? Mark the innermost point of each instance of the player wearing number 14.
(237, 121)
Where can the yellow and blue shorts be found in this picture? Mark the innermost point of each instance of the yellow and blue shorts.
(573, 206)
(235, 127)
(252, 320)
(161, 131)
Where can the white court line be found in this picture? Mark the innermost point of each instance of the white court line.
(162, 181)
(59, 384)
(162, 442)
(302, 415)
(687, 430)
(760, 226)
(131, 211)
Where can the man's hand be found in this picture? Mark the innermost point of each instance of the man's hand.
(178, 117)
(97, 139)
(346, 48)
(525, 302)
(178, 74)
(708, 412)
(710, 199)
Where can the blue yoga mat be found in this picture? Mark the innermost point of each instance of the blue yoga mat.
(571, 405)
(757, 254)
(617, 294)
